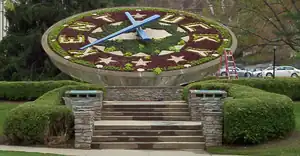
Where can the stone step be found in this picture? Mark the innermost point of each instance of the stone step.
(147, 132)
(148, 145)
(125, 113)
(148, 139)
(120, 105)
(146, 125)
(164, 118)
(144, 102)
(146, 109)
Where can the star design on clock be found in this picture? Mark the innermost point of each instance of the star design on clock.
(141, 38)
(177, 59)
(138, 16)
(141, 62)
(106, 60)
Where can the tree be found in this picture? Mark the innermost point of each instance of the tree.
(22, 56)
(269, 22)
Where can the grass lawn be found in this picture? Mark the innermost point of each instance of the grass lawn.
(7, 153)
(286, 147)
(5, 107)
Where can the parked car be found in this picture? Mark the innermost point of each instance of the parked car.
(240, 72)
(281, 71)
(256, 72)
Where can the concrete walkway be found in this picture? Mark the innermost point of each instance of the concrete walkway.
(76, 152)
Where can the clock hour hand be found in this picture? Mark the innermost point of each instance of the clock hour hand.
(127, 29)
(139, 30)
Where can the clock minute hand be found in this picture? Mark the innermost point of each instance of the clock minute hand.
(139, 30)
(129, 28)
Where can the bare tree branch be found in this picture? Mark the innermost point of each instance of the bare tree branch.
(295, 5)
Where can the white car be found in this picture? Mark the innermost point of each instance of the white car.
(257, 72)
(281, 71)
(240, 72)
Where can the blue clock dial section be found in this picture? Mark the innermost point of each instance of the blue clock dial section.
(139, 30)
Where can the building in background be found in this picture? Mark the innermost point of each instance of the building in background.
(3, 20)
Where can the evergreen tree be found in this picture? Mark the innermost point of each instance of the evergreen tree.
(21, 54)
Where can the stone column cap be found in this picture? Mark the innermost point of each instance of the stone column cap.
(208, 91)
(83, 91)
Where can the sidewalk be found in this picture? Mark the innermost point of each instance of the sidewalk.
(76, 152)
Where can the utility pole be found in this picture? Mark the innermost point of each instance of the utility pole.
(274, 61)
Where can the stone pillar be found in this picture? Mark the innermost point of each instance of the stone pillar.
(84, 126)
(85, 105)
(207, 106)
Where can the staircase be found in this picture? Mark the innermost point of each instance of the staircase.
(146, 125)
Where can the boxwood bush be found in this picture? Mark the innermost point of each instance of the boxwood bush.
(286, 86)
(44, 120)
(252, 115)
(29, 90)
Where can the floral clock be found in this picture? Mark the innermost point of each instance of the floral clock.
(137, 40)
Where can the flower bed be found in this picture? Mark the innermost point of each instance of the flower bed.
(173, 46)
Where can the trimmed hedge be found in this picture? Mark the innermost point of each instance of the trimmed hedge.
(43, 120)
(29, 90)
(251, 115)
(285, 86)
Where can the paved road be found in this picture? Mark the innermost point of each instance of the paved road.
(76, 152)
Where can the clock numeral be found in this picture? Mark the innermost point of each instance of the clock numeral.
(106, 18)
(202, 52)
(191, 26)
(82, 26)
(65, 39)
(202, 37)
(169, 18)
(82, 53)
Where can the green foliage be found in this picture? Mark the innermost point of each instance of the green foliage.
(157, 70)
(114, 68)
(285, 86)
(172, 48)
(110, 49)
(252, 115)
(181, 42)
(29, 90)
(21, 54)
(128, 67)
(9, 5)
(141, 46)
(30, 124)
(148, 57)
(136, 46)
(43, 119)
(128, 54)
(157, 51)
(119, 40)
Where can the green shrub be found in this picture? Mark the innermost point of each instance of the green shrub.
(252, 116)
(44, 119)
(286, 86)
(29, 90)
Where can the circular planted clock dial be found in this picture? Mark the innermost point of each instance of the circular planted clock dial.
(176, 40)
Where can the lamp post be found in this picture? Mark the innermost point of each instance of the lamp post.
(274, 60)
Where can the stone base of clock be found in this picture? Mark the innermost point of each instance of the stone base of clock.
(115, 78)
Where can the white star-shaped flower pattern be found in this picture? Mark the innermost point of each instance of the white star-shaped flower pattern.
(177, 59)
(106, 60)
(138, 16)
(141, 62)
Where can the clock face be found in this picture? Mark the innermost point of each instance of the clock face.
(177, 40)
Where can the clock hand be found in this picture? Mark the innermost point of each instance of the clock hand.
(139, 30)
(129, 28)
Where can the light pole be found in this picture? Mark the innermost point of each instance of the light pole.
(274, 61)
